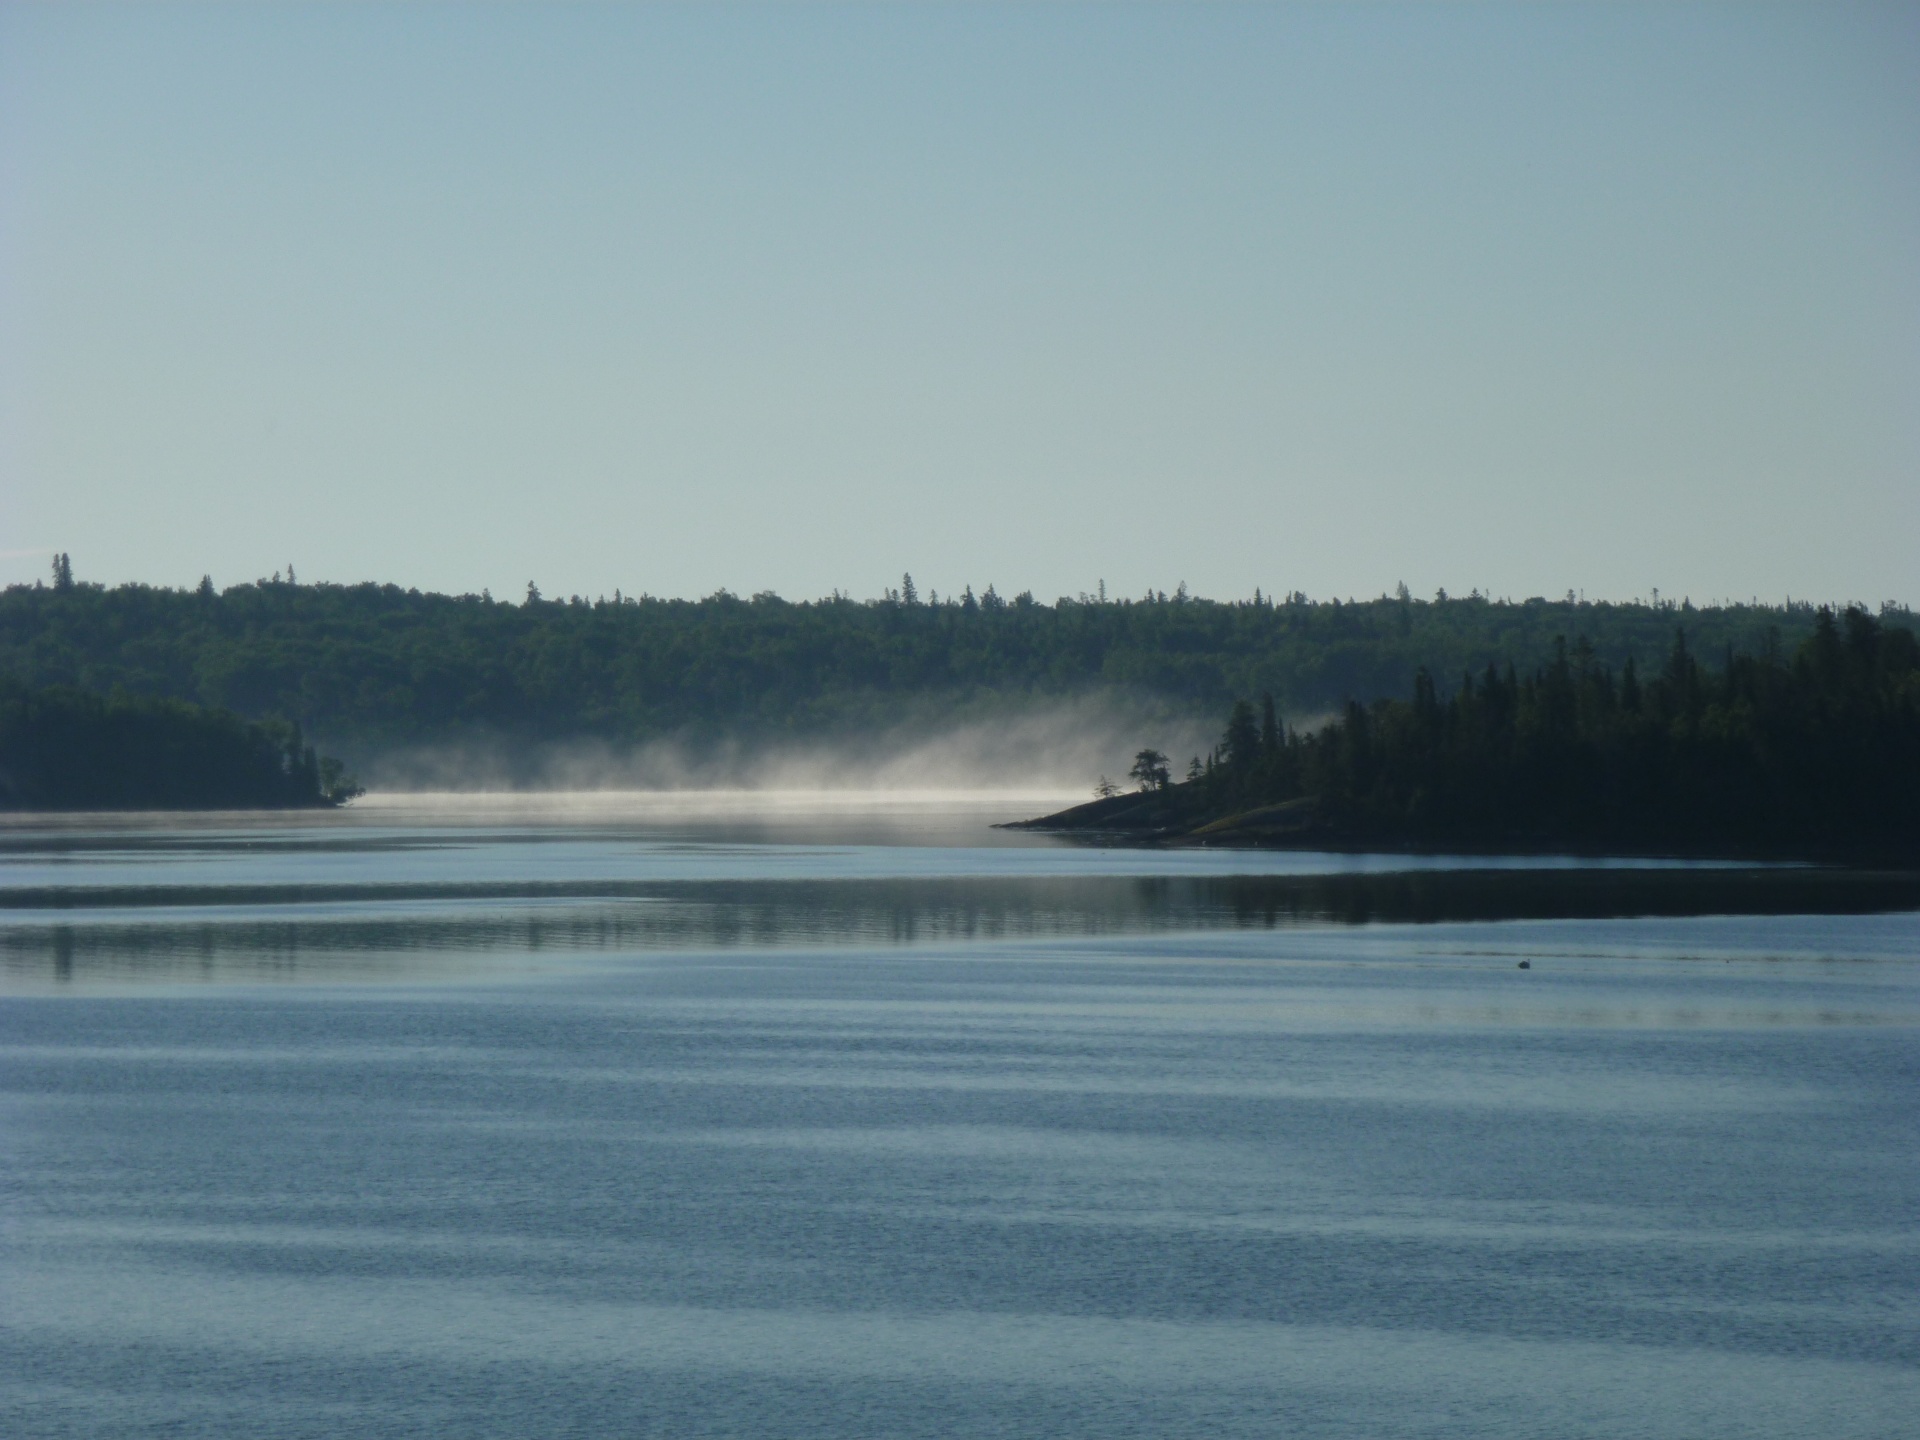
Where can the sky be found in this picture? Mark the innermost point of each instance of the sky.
(667, 299)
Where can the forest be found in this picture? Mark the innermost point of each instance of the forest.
(1809, 753)
(364, 667)
(64, 749)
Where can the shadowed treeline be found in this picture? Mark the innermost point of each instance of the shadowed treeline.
(1817, 754)
(63, 749)
(371, 667)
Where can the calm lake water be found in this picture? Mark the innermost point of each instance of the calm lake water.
(770, 1116)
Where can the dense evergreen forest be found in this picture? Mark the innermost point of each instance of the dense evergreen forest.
(63, 749)
(1808, 754)
(369, 666)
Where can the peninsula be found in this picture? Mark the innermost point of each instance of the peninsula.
(68, 749)
(1813, 755)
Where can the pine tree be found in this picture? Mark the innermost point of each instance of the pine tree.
(1242, 740)
(1150, 769)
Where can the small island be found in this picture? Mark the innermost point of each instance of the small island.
(1813, 755)
(69, 749)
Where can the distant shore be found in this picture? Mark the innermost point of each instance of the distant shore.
(69, 750)
(1810, 757)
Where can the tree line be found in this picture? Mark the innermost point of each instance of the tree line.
(65, 749)
(367, 666)
(1808, 752)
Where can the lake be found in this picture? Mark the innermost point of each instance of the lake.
(802, 1115)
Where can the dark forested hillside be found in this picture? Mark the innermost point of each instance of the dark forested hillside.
(368, 666)
(63, 749)
(1816, 753)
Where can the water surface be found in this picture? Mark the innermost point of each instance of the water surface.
(498, 1121)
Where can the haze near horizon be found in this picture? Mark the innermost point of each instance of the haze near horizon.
(1324, 298)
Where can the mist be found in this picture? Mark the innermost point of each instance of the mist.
(1061, 747)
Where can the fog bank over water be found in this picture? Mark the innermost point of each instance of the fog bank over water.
(1054, 749)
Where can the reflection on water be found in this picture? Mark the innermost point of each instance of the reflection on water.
(824, 1136)
(116, 935)
(425, 887)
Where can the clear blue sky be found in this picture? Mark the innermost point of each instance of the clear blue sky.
(1528, 297)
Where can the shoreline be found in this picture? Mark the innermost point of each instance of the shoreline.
(1255, 830)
